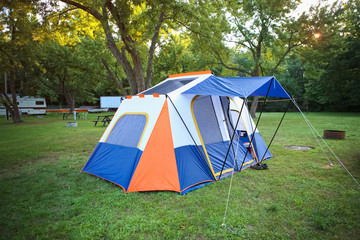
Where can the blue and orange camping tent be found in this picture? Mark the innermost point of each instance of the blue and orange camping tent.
(179, 134)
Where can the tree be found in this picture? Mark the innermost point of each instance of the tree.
(79, 32)
(70, 71)
(332, 60)
(19, 23)
(260, 27)
(138, 26)
(181, 53)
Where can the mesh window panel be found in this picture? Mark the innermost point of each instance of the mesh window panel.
(127, 130)
(206, 120)
(169, 86)
(225, 103)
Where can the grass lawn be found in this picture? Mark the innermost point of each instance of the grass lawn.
(44, 195)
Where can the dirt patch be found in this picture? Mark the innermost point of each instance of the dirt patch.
(326, 166)
(17, 167)
(302, 148)
(3, 172)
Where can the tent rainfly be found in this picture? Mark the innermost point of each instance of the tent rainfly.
(187, 131)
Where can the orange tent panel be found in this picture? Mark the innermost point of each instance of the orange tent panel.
(190, 73)
(157, 169)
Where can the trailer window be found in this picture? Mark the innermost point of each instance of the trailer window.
(39, 102)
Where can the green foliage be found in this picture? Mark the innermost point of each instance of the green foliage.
(264, 31)
(339, 85)
(69, 70)
(178, 54)
(332, 61)
(193, 36)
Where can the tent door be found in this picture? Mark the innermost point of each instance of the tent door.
(206, 114)
(245, 127)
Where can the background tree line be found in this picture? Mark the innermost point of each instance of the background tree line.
(72, 52)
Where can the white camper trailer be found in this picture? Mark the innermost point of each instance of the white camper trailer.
(28, 105)
(110, 102)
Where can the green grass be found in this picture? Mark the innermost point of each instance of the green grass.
(44, 195)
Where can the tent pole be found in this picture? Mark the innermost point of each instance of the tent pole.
(227, 115)
(251, 142)
(257, 123)
(276, 131)
(232, 138)
(202, 156)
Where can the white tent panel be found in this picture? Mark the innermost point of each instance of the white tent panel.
(181, 135)
(246, 122)
(148, 105)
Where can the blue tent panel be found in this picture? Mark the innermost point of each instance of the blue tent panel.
(192, 168)
(260, 147)
(217, 153)
(238, 86)
(114, 163)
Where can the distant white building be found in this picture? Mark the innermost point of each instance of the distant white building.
(110, 102)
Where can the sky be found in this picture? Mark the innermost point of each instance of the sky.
(306, 4)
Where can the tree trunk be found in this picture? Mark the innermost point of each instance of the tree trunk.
(149, 72)
(134, 70)
(253, 107)
(6, 101)
(119, 55)
(137, 70)
(70, 99)
(255, 102)
(15, 113)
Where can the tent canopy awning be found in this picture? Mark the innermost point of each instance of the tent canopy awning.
(238, 86)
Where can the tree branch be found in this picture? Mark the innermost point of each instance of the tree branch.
(188, 28)
(93, 12)
(120, 24)
(113, 77)
(290, 47)
(240, 43)
(248, 40)
(228, 67)
(149, 71)
(6, 101)
(56, 89)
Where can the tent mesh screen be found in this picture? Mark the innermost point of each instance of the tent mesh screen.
(127, 130)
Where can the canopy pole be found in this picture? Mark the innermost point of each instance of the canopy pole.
(257, 123)
(232, 138)
(202, 156)
(276, 130)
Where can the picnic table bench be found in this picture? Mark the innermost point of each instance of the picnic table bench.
(104, 119)
(65, 115)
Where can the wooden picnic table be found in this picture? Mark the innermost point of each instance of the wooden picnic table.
(104, 119)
